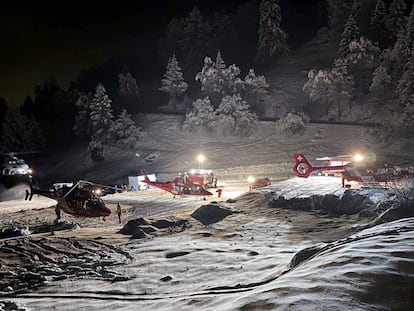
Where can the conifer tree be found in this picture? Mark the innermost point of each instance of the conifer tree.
(350, 33)
(362, 60)
(201, 116)
(234, 116)
(380, 87)
(342, 89)
(272, 39)
(173, 83)
(123, 132)
(255, 90)
(217, 80)
(396, 19)
(377, 29)
(318, 89)
(101, 114)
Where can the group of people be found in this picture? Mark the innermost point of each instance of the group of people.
(123, 188)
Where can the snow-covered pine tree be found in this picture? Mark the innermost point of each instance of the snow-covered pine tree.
(232, 84)
(255, 90)
(342, 89)
(101, 114)
(381, 85)
(208, 77)
(351, 32)
(217, 80)
(82, 118)
(124, 132)
(377, 29)
(21, 133)
(338, 12)
(201, 116)
(235, 117)
(272, 39)
(362, 59)
(396, 19)
(331, 91)
(318, 89)
(173, 83)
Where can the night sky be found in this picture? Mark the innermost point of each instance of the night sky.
(41, 39)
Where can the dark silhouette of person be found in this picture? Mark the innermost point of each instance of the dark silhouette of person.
(119, 211)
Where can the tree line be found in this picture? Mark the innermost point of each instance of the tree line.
(372, 75)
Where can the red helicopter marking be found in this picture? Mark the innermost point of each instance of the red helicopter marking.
(178, 186)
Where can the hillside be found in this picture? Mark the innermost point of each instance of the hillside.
(287, 77)
(167, 150)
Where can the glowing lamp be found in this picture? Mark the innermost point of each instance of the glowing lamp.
(358, 157)
(200, 158)
(250, 179)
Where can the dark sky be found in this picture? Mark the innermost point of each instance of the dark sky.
(41, 39)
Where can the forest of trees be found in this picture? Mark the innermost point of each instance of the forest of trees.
(372, 74)
(371, 77)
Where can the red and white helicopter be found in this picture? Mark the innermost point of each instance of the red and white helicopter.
(179, 186)
(82, 199)
(356, 169)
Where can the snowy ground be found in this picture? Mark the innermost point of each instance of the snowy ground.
(242, 262)
(260, 257)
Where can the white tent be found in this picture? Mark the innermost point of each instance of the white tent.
(137, 182)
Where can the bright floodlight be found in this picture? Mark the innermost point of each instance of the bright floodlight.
(200, 158)
(250, 179)
(358, 157)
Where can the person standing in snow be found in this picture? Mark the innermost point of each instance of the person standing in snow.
(119, 211)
